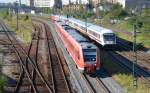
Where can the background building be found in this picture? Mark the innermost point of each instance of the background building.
(132, 3)
(96, 2)
(58, 4)
(125, 3)
(42, 3)
(31, 3)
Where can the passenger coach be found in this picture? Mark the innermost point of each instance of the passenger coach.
(85, 54)
(105, 37)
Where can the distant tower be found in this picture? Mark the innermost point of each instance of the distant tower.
(80, 2)
(31, 3)
(20, 2)
(69, 2)
(58, 4)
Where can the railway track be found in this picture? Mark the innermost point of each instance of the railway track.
(95, 85)
(143, 57)
(87, 83)
(90, 87)
(124, 57)
(104, 87)
(59, 80)
(34, 42)
(22, 56)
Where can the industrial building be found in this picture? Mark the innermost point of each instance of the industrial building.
(41, 3)
(126, 3)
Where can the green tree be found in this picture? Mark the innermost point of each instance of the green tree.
(118, 12)
(3, 82)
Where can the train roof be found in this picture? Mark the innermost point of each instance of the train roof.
(84, 42)
(90, 26)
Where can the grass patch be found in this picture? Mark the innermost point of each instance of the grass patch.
(1, 50)
(3, 82)
(123, 77)
(25, 28)
(25, 24)
(124, 36)
(124, 26)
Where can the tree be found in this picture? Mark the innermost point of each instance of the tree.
(118, 12)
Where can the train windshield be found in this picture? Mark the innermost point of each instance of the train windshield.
(89, 55)
(67, 28)
(109, 37)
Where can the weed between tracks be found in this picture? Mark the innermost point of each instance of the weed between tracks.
(25, 28)
(3, 82)
(3, 79)
(123, 77)
(25, 24)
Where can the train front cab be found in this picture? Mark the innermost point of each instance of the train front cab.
(91, 60)
(109, 40)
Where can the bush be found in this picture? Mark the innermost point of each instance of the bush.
(117, 12)
(2, 83)
(26, 17)
(5, 14)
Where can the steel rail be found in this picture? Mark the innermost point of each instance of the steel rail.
(90, 87)
(125, 66)
(33, 75)
(21, 76)
(59, 59)
(32, 63)
(103, 85)
(20, 58)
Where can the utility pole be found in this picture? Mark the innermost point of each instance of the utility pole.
(19, 2)
(80, 2)
(135, 26)
(17, 26)
(135, 55)
(69, 8)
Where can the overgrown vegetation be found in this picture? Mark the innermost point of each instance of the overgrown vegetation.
(117, 12)
(25, 24)
(124, 77)
(3, 79)
(3, 82)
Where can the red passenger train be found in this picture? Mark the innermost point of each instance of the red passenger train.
(54, 17)
(85, 54)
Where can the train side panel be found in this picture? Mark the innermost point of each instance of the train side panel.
(74, 25)
(54, 18)
(72, 46)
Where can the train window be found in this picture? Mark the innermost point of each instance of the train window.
(109, 37)
(78, 55)
(83, 28)
(76, 24)
(67, 28)
(94, 34)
